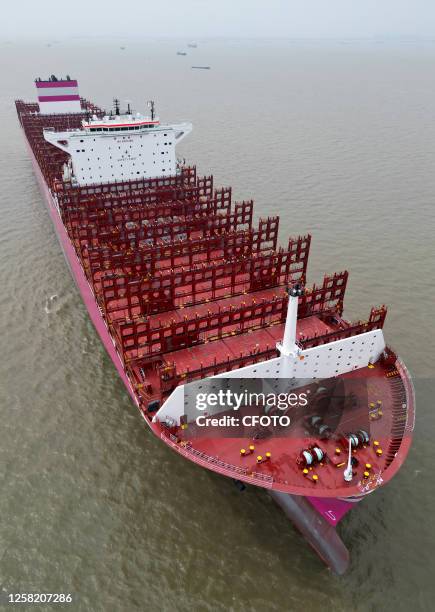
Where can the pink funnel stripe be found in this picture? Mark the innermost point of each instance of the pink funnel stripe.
(58, 98)
(45, 84)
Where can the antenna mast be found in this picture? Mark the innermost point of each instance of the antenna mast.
(116, 106)
(151, 106)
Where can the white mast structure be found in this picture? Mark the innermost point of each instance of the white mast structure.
(288, 347)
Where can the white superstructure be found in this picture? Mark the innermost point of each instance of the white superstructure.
(325, 361)
(120, 147)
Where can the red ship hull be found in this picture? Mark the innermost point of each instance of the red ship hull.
(79, 276)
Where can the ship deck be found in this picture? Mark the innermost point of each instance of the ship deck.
(221, 446)
(257, 340)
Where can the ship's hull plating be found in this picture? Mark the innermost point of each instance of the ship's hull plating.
(79, 276)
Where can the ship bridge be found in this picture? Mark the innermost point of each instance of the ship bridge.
(120, 123)
(119, 147)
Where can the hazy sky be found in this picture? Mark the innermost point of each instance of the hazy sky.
(201, 18)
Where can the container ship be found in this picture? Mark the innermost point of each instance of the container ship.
(193, 299)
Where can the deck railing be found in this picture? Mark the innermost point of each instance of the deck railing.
(264, 480)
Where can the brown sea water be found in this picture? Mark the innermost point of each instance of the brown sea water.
(339, 140)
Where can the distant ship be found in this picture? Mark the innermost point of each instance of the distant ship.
(181, 53)
(201, 67)
(192, 45)
(191, 299)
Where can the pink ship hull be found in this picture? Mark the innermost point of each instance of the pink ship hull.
(79, 276)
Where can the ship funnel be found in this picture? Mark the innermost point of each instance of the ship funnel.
(58, 96)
